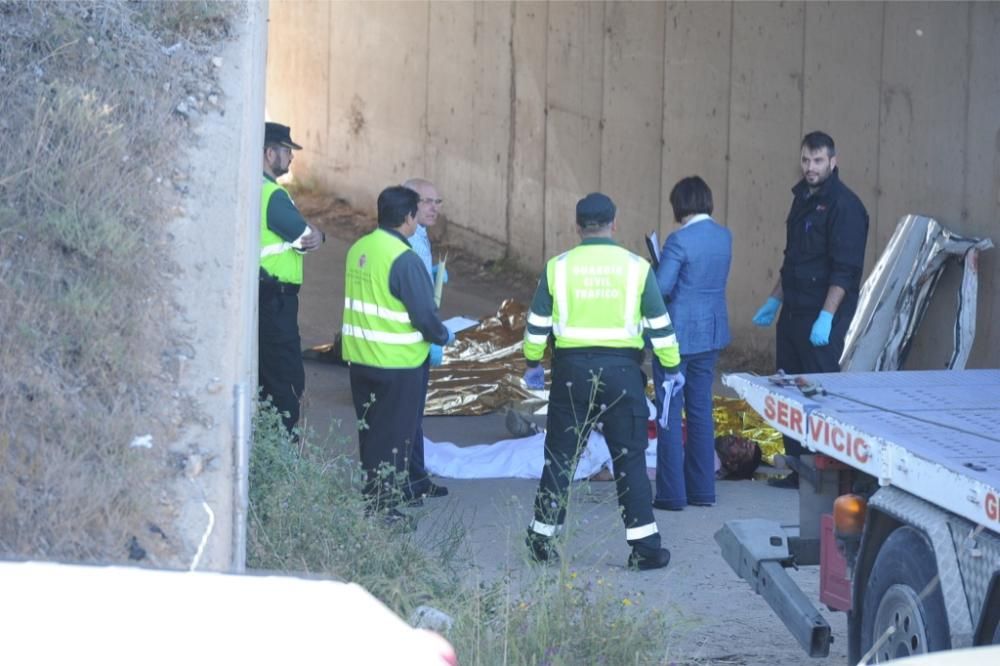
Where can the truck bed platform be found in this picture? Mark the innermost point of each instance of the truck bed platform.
(933, 434)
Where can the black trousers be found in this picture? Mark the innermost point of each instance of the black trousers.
(418, 482)
(588, 388)
(388, 405)
(796, 355)
(279, 350)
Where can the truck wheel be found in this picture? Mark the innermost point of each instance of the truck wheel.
(903, 597)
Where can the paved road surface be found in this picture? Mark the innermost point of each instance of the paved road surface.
(719, 620)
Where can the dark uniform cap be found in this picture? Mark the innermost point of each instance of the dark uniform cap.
(594, 209)
(280, 134)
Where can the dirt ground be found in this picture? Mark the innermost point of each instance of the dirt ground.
(718, 619)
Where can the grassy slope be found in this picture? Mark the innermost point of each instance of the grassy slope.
(88, 135)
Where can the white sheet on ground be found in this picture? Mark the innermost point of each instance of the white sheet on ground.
(520, 458)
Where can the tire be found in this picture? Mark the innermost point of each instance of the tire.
(904, 569)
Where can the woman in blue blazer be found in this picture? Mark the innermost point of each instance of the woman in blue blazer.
(692, 274)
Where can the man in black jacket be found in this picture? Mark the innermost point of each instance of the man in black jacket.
(817, 292)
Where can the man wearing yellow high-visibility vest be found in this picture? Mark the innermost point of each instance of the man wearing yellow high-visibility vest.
(390, 323)
(284, 237)
(597, 301)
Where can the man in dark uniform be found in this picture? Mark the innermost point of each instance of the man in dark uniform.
(390, 322)
(598, 300)
(817, 291)
(284, 237)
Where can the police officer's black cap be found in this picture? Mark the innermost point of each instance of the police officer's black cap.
(595, 209)
(279, 134)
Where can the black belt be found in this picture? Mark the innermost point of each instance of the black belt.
(275, 287)
(629, 353)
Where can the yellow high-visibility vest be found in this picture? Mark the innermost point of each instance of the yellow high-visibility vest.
(377, 329)
(596, 297)
(277, 256)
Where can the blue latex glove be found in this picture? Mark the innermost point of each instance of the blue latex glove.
(434, 273)
(534, 378)
(820, 334)
(678, 382)
(765, 316)
(436, 354)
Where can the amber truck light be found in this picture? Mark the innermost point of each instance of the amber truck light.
(849, 515)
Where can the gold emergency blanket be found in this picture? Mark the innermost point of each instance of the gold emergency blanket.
(482, 373)
(482, 369)
(734, 416)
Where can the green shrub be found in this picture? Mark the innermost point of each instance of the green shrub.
(307, 515)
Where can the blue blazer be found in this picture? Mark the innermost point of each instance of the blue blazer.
(694, 267)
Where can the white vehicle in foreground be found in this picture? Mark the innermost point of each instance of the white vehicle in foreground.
(69, 614)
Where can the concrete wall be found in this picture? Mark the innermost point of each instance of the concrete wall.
(216, 239)
(516, 109)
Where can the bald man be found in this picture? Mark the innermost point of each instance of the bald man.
(428, 208)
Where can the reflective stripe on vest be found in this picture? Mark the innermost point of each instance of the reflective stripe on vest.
(277, 248)
(596, 297)
(277, 256)
(377, 330)
(376, 310)
(382, 336)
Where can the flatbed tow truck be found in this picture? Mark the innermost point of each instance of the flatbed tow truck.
(899, 506)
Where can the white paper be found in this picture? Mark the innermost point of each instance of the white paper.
(668, 392)
(456, 324)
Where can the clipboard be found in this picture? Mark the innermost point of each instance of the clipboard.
(653, 247)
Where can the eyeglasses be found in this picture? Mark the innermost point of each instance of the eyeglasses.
(432, 201)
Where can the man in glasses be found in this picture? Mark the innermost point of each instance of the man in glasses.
(284, 237)
(427, 214)
(428, 208)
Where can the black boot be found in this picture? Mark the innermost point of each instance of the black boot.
(393, 519)
(541, 548)
(644, 558)
(790, 481)
(414, 495)
(434, 490)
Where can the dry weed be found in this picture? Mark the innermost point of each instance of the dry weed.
(90, 134)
